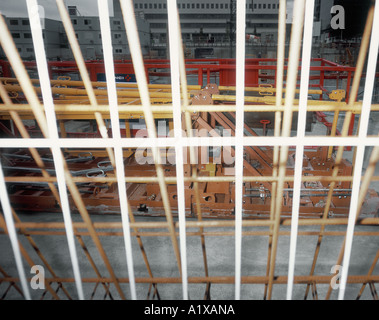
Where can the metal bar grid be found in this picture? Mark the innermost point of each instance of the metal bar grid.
(282, 142)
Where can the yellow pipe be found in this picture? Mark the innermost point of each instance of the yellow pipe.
(265, 89)
(67, 100)
(272, 100)
(75, 83)
(83, 92)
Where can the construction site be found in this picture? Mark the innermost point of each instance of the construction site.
(180, 178)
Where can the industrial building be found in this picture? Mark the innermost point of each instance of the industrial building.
(55, 41)
(87, 31)
(169, 177)
(211, 22)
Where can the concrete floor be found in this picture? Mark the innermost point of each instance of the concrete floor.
(220, 253)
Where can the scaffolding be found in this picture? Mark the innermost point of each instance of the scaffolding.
(173, 186)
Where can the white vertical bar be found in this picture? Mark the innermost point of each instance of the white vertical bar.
(174, 36)
(240, 102)
(12, 234)
(54, 138)
(302, 118)
(138, 65)
(135, 50)
(113, 105)
(365, 114)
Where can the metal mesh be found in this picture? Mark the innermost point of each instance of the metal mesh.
(95, 262)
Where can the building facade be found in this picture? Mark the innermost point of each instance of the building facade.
(56, 44)
(88, 33)
(87, 30)
(211, 21)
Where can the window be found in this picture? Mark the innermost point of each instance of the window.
(118, 50)
(25, 22)
(273, 5)
(207, 5)
(117, 35)
(77, 36)
(99, 35)
(27, 35)
(29, 50)
(19, 49)
(178, 5)
(226, 6)
(141, 6)
(221, 6)
(16, 35)
(13, 22)
(160, 5)
(189, 6)
(202, 6)
(158, 25)
(259, 6)
(269, 6)
(116, 22)
(255, 5)
(150, 6)
(264, 6)
(212, 6)
(136, 6)
(155, 6)
(216, 5)
(74, 21)
(87, 22)
(164, 6)
(145, 5)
